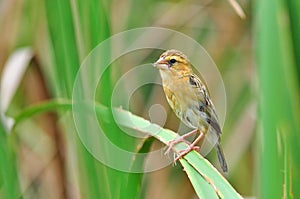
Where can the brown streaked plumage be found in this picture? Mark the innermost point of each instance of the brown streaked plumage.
(189, 99)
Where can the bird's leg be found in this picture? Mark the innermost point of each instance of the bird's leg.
(190, 147)
(181, 139)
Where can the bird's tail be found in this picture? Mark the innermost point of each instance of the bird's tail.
(221, 158)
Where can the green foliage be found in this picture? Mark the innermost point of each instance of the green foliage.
(207, 181)
(9, 183)
(75, 29)
(62, 33)
(279, 100)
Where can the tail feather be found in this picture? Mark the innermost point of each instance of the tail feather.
(221, 158)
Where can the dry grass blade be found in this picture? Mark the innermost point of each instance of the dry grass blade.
(238, 9)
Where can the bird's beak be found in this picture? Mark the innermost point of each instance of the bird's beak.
(161, 63)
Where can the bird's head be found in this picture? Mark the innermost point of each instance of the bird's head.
(173, 61)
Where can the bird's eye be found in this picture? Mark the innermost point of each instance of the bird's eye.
(172, 61)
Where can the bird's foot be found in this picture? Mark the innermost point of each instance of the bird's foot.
(186, 151)
(172, 143)
(180, 139)
(191, 147)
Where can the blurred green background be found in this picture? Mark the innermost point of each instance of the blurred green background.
(258, 57)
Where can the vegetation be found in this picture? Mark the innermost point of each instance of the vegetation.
(43, 45)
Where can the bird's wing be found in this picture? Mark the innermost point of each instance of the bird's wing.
(206, 106)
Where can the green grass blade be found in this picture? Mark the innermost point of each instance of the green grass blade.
(134, 179)
(63, 38)
(202, 187)
(75, 28)
(198, 167)
(294, 17)
(279, 103)
(9, 183)
(294, 138)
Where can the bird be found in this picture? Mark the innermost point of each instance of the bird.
(188, 97)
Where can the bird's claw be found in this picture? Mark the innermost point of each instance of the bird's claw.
(186, 151)
(172, 143)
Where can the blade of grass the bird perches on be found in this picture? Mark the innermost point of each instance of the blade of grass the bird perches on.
(199, 163)
(194, 164)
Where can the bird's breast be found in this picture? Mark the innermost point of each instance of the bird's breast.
(183, 100)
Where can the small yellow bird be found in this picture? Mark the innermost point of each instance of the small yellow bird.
(189, 99)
